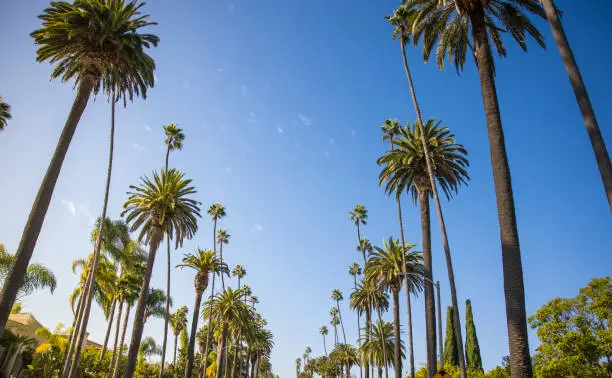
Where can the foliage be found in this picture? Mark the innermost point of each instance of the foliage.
(473, 360)
(5, 113)
(37, 277)
(451, 352)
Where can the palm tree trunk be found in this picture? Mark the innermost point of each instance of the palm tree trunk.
(14, 278)
(138, 325)
(120, 353)
(397, 356)
(73, 330)
(221, 257)
(108, 329)
(447, 252)
(236, 348)
(380, 372)
(221, 352)
(514, 290)
(112, 362)
(358, 329)
(194, 331)
(366, 362)
(175, 348)
(248, 360)
(167, 314)
(430, 306)
(359, 245)
(212, 293)
(252, 369)
(383, 344)
(324, 345)
(341, 322)
(582, 96)
(90, 290)
(226, 372)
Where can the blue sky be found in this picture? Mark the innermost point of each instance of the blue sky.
(281, 103)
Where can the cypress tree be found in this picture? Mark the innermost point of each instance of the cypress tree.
(472, 350)
(451, 353)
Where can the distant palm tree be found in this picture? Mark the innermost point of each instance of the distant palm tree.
(216, 212)
(346, 356)
(298, 367)
(323, 331)
(336, 295)
(159, 207)
(239, 272)
(355, 270)
(37, 277)
(380, 347)
(456, 27)
(174, 141)
(404, 170)
(582, 96)
(204, 262)
(385, 268)
(156, 304)
(5, 113)
(365, 246)
(335, 322)
(88, 40)
(178, 322)
(222, 238)
(148, 348)
(359, 215)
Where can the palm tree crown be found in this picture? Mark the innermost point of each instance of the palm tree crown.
(5, 113)
(178, 320)
(359, 215)
(156, 301)
(203, 262)
(37, 276)
(174, 137)
(216, 211)
(385, 266)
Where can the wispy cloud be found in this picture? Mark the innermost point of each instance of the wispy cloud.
(257, 228)
(80, 209)
(137, 146)
(252, 117)
(69, 205)
(279, 129)
(306, 121)
(243, 90)
(147, 127)
(231, 7)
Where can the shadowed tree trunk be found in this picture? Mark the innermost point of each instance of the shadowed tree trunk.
(168, 270)
(582, 96)
(120, 352)
(212, 292)
(194, 331)
(221, 351)
(397, 357)
(175, 347)
(14, 278)
(108, 329)
(117, 329)
(430, 307)
(382, 343)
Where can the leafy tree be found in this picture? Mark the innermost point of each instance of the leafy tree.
(336, 296)
(359, 216)
(155, 304)
(472, 349)
(37, 276)
(323, 331)
(451, 353)
(345, 355)
(222, 238)
(454, 27)
(380, 347)
(88, 39)
(160, 207)
(178, 322)
(298, 366)
(5, 113)
(239, 272)
(575, 333)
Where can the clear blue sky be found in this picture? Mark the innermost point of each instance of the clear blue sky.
(281, 102)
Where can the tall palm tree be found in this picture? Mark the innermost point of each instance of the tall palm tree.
(178, 322)
(159, 207)
(385, 268)
(88, 39)
(380, 347)
(5, 113)
(216, 212)
(37, 277)
(222, 238)
(335, 322)
(130, 298)
(227, 308)
(239, 272)
(582, 96)
(355, 270)
(298, 367)
(155, 307)
(148, 348)
(404, 170)
(456, 25)
(204, 262)
(174, 141)
(323, 331)
(390, 128)
(346, 356)
(359, 216)
(336, 295)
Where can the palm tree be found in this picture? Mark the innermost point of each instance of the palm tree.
(155, 306)
(355, 270)
(582, 96)
(390, 128)
(37, 277)
(336, 295)
(148, 348)
(227, 308)
(88, 40)
(323, 331)
(380, 347)
(359, 215)
(130, 298)
(223, 238)
(239, 272)
(298, 366)
(178, 321)
(345, 355)
(385, 268)
(174, 141)
(204, 262)
(158, 207)
(5, 113)
(335, 322)
(455, 26)
(405, 171)
(216, 212)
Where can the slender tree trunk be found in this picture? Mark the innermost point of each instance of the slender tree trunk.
(363, 252)
(397, 362)
(410, 338)
(447, 252)
(194, 331)
(167, 314)
(73, 328)
(582, 96)
(90, 290)
(430, 307)
(514, 290)
(120, 353)
(14, 278)
(383, 344)
(324, 345)
(221, 352)
(226, 372)
(138, 325)
(117, 331)
(341, 322)
(175, 348)
(335, 336)
(253, 369)
(358, 330)
(212, 293)
(248, 360)
(236, 347)
(380, 372)
(108, 329)
(366, 362)
(441, 345)
(221, 257)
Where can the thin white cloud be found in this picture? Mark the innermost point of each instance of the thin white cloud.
(257, 228)
(252, 117)
(306, 121)
(137, 146)
(279, 129)
(147, 127)
(69, 205)
(243, 90)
